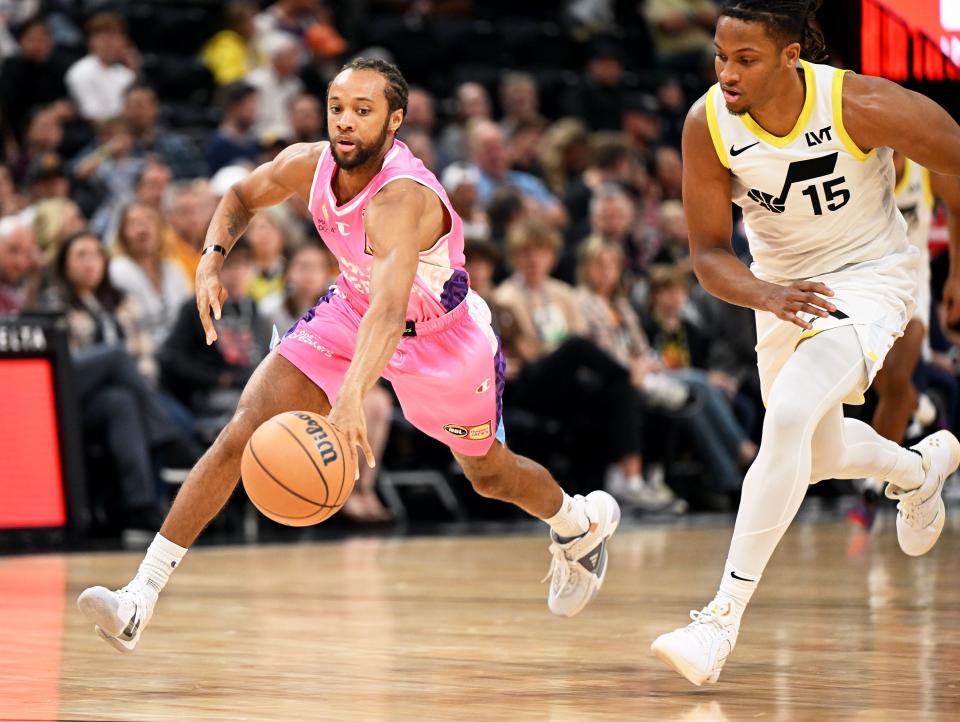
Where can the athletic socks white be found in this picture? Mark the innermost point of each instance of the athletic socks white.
(908, 472)
(571, 520)
(163, 556)
(737, 586)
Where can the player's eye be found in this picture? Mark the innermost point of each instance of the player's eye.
(364, 111)
(334, 108)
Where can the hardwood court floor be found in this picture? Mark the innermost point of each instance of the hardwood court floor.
(844, 627)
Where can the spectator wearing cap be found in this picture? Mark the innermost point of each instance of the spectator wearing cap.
(488, 150)
(97, 81)
(682, 31)
(306, 119)
(598, 100)
(472, 104)
(234, 142)
(31, 78)
(277, 85)
(230, 54)
(140, 111)
(641, 122)
(18, 264)
(461, 181)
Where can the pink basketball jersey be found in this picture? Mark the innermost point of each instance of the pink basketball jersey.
(440, 284)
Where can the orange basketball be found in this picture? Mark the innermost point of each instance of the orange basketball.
(296, 468)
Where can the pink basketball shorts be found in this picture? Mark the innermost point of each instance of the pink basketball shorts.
(449, 378)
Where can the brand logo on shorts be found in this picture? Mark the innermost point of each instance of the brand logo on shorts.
(483, 387)
(471, 433)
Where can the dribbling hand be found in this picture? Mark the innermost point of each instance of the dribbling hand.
(210, 293)
(785, 302)
(348, 417)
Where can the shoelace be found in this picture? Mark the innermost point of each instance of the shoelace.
(559, 569)
(702, 621)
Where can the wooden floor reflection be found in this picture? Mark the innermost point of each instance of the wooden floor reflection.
(843, 627)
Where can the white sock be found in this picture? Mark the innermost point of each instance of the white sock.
(737, 586)
(163, 556)
(571, 520)
(908, 472)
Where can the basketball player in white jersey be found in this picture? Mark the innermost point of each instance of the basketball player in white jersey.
(401, 308)
(916, 193)
(805, 151)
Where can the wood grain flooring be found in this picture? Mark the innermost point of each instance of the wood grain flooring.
(843, 627)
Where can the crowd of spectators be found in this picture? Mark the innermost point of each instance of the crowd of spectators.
(556, 136)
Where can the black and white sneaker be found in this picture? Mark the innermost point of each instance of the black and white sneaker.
(119, 616)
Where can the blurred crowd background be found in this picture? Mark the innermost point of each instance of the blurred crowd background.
(555, 129)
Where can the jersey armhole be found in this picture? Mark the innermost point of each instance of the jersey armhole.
(316, 174)
(845, 138)
(714, 127)
(444, 204)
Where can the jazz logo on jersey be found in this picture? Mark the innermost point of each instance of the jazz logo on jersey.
(801, 171)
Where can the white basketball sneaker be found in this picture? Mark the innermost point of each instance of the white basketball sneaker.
(699, 650)
(580, 565)
(922, 512)
(119, 616)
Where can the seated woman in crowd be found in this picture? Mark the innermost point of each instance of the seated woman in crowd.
(309, 276)
(268, 236)
(615, 327)
(114, 365)
(554, 371)
(142, 270)
(684, 349)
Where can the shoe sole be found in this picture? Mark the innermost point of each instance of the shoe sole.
(113, 641)
(678, 664)
(98, 608)
(613, 521)
(937, 523)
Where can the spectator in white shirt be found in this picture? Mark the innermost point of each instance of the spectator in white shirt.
(277, 84)
(97, 81)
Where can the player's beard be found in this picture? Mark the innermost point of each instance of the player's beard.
(363, 153)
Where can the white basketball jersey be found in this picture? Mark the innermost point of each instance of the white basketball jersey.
(812, 201)
(915, 200)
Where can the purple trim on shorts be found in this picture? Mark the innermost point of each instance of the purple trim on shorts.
(455, 290)
(500, 366)
(308, 316)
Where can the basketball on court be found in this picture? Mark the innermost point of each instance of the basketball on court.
(297, 470)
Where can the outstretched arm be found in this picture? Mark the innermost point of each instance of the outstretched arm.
(878, 112)
(401, 220)
(290, 173)
(707, 200)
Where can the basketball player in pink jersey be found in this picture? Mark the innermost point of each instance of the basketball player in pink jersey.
(401, 309)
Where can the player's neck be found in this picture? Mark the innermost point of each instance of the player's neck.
(779, 115)
(348, 183)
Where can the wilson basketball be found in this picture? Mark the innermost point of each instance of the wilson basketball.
(297, 470)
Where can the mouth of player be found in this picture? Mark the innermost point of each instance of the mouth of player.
(344, 145)
(730, 95)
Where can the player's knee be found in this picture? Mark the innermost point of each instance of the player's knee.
(234, 436)
(788, 417)
(487, 478)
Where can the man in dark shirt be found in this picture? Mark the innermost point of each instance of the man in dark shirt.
(140, 109)
(234, 143)
(31, 78)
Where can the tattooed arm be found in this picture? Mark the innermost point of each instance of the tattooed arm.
(290, 173)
